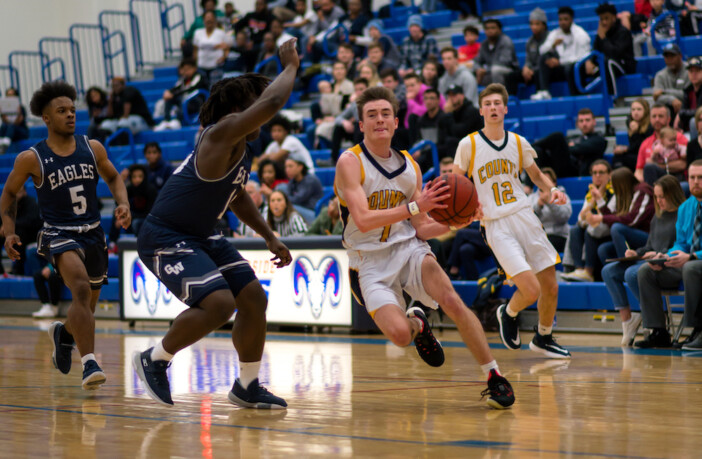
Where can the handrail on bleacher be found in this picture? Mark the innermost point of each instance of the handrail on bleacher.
(433, 171)
(601, 79)
(323, 200)
(23, 81)
(168, 28)
(659, 44)
(261, 64)
(134, 32)
(118, 133)
(77, 67)
(192, 119)
(328, 34)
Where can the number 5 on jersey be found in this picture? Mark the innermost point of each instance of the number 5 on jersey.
(80, 204)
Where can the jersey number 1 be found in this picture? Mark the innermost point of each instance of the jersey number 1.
(507, 193)
(80, 204)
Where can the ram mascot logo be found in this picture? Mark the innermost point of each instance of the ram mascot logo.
(148, 288)
(318, 286)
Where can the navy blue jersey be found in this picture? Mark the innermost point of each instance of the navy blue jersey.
(67, 189)
(191, 204)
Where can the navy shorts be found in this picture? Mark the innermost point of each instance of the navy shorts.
(89, 245)
(192, 267)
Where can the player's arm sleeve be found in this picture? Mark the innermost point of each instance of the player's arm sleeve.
(463, 154)
(528, 153)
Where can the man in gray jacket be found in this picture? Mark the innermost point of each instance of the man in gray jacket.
(457, 75)
(670, 81)
(496, 57)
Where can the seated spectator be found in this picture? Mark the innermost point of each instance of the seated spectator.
(391, 80)
(585, 237)
(345, 55)
(231, 16)
(468, 52)
(554, 218)
(416, 48)
(430, 74)
(615, 42)
(141, 195)
(670, 82)
(415, 97)
(664, 30)
(211, 48)
(376, 56)
(426, 127)
(186, 42)
(690, 16)
(242, 55)
(582, 150)
(563, 47)
(468, 247)
(497, 56)
(646, 169)
(639, 128)
(529, 72)
(630, 220)
(303, 25)
(96, 101)
(279, 34)
(355, 20)
(375, 34)
(367, 71)
(282, 217)
(328, 222)
(304, 189)
(159, 170)
(269, 50)
(328, 15)
(334, 97)
(14, 125)
(284, 144)
(272, 176)
(27, 225)
(667, 150)
(190, 81)
(692, 97)
(346, 123)
(694, 148)
(50, 296)
(683, 264)
(459, 75)
(455, 125)
(256, 23)
(668, 197)
(633, 22)
(127, 109)
(254, 190)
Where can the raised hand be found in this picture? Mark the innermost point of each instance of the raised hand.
(288, 54)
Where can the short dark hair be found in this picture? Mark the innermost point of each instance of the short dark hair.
(497, 22)
(374, 45)
(566, 10)
(202, 3)
(446, 160)
(189, 61)
(281, 121)
(377, 93)
(361, 80)
(662, 105)
(472, 29)
(48, 92)
(432, 91)
(411, 76)
(585, 111)
(135, 167)
(601, 162)
(152, 145)
(448, 49)
(606, 8)
(232, 94)
(390, 72)
(696, 163)
(345, 45)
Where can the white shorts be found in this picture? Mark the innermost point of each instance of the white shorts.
(519, 243)
(379, 277)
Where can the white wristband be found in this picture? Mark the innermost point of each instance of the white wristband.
(413, 208)
(554, 189)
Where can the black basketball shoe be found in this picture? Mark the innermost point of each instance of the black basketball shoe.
(501, 395)
(154, 376)
(509, 328)
(428, 347)
(548, 346)
(255, 396)
(62, 342)
(93, 376)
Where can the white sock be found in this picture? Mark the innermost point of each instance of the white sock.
(248, 371)
(543, 331)
(510, 311)
(490, 366)
(87, 357)
(159, 353)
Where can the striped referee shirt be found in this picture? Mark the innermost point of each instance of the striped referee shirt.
(294, 226)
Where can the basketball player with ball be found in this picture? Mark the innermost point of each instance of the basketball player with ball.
(384, 212)
(494, 159)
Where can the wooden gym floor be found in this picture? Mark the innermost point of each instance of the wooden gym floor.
(350, 397)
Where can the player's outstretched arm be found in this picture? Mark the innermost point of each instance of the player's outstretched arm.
(236, 126)
(245, 209)
(543, 182)
(114, 181)
(26, 165)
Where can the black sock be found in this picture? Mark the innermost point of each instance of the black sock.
(65, 337)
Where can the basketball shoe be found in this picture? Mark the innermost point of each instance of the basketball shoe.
(509, 328)
(499, 390)
(93, 377)
(428, 347)
(548, 346)
(154, 376)
(62, 342)
(255, 396)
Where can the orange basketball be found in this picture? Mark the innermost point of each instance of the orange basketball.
(462, 201)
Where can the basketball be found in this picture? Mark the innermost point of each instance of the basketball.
(462, 201)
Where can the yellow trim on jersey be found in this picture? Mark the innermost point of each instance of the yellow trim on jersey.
(413, 162)
(356, 150)
(472, 155)
(521, 154)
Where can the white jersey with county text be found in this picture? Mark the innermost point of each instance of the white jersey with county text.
(387, 183)
(495, 168)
